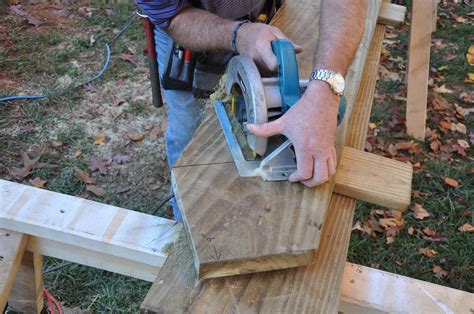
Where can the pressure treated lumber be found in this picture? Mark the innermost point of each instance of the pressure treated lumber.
(242, 225)
(392, 14)
(12, 249)
(418, 67)
(27, 292)
(392, 293)
(85, 224)
(317, 286)
(374, 179)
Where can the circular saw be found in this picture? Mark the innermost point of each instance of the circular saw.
(256, 100)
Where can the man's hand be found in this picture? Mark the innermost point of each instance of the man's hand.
(311, 126)
(254, 40)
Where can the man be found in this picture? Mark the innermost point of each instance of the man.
(214, 25)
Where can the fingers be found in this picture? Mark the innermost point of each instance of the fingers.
(332, 163)
(305, 165)
(298, 48)
(320, 174)
(269, 59)
(266, 129)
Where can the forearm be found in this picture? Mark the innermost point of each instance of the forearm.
(341, 28)
(199, 30)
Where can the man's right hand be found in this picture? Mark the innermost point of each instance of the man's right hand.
(254, 40)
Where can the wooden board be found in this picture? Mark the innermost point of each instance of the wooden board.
(392, 14)
(418, 67)
(243, 225)
(12, 248)
(374, 179)
(27, 292)
(324, 278)
(85, 224)
(392, 293)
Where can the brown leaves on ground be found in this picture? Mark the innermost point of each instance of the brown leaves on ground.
(84, 177)
(439, 272)
(388, 223)
(451, 182)
(470, 55)
(419, 212)
(96, 190)
(428, 252)
(28, 166)
(37, 182)
(467, 227)
(100, 139)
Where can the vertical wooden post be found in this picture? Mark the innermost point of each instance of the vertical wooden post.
(12, 249)
(27, 293)
(418, 66)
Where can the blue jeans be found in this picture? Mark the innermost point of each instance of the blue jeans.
(184, 113)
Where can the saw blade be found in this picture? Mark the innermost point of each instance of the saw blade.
(238, 120)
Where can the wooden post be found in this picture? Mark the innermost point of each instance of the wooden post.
(27, 293)
(418, 66)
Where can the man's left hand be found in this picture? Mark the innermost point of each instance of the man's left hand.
(311, 126)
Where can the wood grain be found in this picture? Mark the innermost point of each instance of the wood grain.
(27, 292)
(392, 14)
(243, 225)
(86, 224)
(418, 67)
(392, 293)
(12, 248)
(314, 288)
(374, 179)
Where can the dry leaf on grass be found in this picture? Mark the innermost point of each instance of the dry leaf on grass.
(470, 78)
(428, 252)
(470, 55)
(443, 90)
(451, 182)
(419, 212)
(100, 139)
(467, 227)
(37, 182)
(97, 164)
(427, 231)
(136, 137)
(440, 273)
(84, 177)
(96, 190)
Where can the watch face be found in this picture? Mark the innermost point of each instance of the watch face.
(339, 83)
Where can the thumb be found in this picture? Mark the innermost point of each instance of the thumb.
(266, 129)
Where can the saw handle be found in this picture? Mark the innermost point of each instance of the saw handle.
(287, 72)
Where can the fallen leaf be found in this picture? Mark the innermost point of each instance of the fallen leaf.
(100, 139)
(154, 132)
(123, 190)
(467, 97)
(84, 177)
(428, 252)
(440, 273)
(364, 228)
(31, 19)
(120, 159)
(466, 228)
(404, 145)
(445, 125)
(461, 128)
(419, 212)
(390, 240)
(77, 153)
(427, 231)
(434, 146)
(470, 55)
(451, 182)
(372, 126)
(411, 231)
(390, 222)
(463, 143)
(439, 103)
(129, 57)
(470, 78)
(443, 90)
(57, 144)
(97, 164)
(96, 190)
(19, 173)
(37, 182)
(375, 265)
(136, 137)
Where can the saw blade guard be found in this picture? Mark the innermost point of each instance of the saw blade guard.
(244, 83)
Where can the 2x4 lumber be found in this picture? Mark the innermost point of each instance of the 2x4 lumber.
(314, 288)
(12, 249)
(392, 293)
(85, 224)
(27, 292)
(418, 67)
(374, 179)
(243, 225)
(392, 14)
(94, 258)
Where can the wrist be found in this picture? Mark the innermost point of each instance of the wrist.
(320, 89)
(237, 26)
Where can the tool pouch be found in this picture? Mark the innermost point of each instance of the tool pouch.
(178, 72)
(210, 67)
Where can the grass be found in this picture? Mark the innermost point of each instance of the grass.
(38, 59)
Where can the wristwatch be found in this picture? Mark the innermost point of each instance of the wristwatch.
(334, 79)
